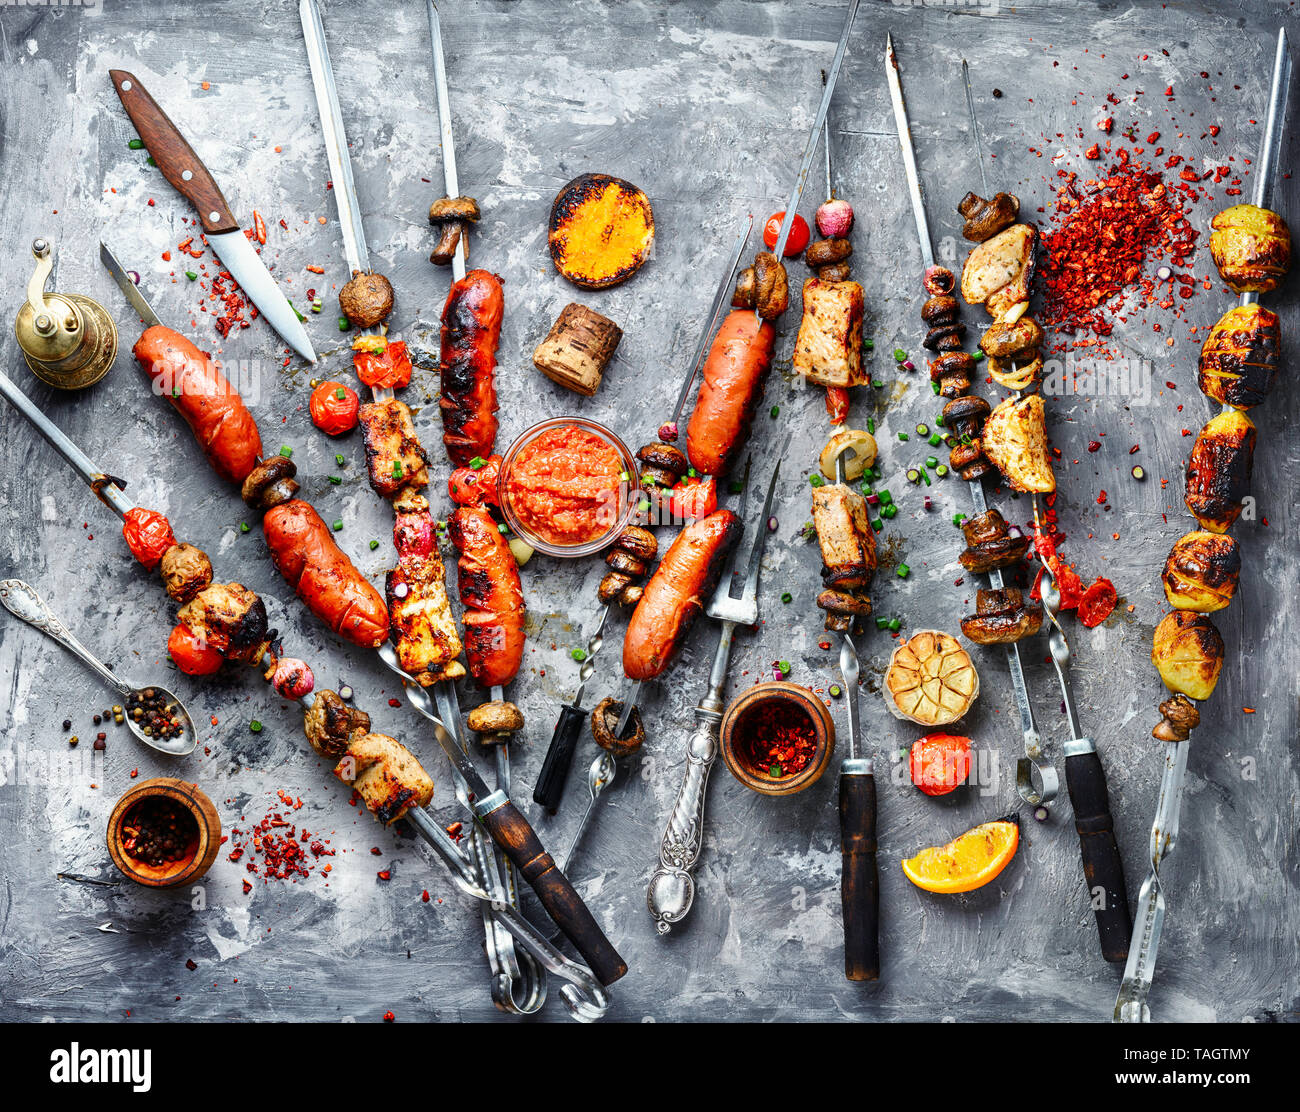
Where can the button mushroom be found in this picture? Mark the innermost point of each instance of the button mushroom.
(367, 299)
(452, 217)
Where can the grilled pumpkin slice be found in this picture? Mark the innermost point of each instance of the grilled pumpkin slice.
(601, 231)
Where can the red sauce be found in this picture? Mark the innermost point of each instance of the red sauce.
(565, 486)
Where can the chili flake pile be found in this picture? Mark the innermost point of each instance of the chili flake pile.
(275, 849)
(778, 739)
(1105, 232)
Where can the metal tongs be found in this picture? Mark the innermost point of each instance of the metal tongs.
(1131, 1003)
(582, 992)
(672, 887)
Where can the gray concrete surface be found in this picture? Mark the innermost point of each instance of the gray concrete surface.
(705, 105)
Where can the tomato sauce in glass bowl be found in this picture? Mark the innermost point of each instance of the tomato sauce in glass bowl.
(567, 486)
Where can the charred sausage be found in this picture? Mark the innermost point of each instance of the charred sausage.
(675, 594)
(487, 578)
(200, 393)
(320, 572)
(734, 374)
(471, 329)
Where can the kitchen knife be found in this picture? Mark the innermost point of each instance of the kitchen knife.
(184, 170)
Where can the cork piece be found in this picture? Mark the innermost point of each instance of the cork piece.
(577, 349)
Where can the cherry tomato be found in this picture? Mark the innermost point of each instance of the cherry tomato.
(149, 534)
(837, 404)
(192, 654)
(1068, 583)
(693, 499)
(940, 762)
(474, 486)
(389, 369)
(799, 234)
(1097, 602)
(334, 408)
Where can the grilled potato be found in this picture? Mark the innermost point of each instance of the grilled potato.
(386, 775)
(1251, 246)
(1239, 359)
(828, 350)
(1201, 572)
(1218, 471)
(1015, 439)
(997, 272)
(601, 231)
(1188, 653)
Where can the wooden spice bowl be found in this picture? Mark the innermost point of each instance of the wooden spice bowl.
(749, 725)
(201, 841)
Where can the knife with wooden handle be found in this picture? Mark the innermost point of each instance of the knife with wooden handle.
(185, 171)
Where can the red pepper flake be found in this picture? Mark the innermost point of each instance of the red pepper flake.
(1094, 445)
(1248, 710)
(1093, 152)
(1106, 124)
(259, 225)
(776, 738)
(424, 896)
(316, 269)
(1101, 498)
(389, 1017)
(384, 874)
(394, 702)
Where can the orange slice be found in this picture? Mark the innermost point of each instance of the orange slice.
(601, 231)
(968, 862)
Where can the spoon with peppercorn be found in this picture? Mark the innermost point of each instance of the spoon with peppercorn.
(153, 714)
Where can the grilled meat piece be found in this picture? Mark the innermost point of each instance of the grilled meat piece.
(998, 271)
(1218, 470)
(1001, 617)
(828, 350)
(394, 457)
(984, 219)
(1014, 437)
(1201, 572)
(386, 775)
(231, 618)
(990, 545)
(1239, 359)
(848, 543)
(420, 619)
(1187, 650)
(330, 723)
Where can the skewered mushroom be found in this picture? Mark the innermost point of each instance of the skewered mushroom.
(270, 483)
(604, 721)
(828, 252)
(662, 466)
(1180, 718)
(771, 286)
(367, 299)
(452, 217)
(965, 416)
(1001, 617)
(984, 219)
(946, 331)
(990, 545)
(953, 371)
(186, 571)
(629, 560)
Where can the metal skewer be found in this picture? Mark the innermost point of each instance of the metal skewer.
(1037, 784)
(1131, 1003)
(672, 887)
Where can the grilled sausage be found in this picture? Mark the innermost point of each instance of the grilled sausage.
(487, 578)
(304, 553)
(471, 329)
(200, 393)
(675, 594)
(734, 374)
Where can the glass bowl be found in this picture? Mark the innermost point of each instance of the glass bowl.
(622, 503)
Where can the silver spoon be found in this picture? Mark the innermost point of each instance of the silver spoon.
(600, 775)
(21, 599)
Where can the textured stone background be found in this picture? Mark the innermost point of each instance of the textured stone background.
(705, 105)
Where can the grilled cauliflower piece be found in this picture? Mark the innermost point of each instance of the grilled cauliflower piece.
(1015, 439)
(1201, 572)
(828, 350)
(997, 272)
(1188, 653)
(931, 679)
(386, 775)
(1218, 470)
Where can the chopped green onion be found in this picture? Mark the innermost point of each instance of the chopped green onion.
(373, 545)
(871, 425)
(899, 355)
(338, 526)
(501, 528)
(136, 144)
(150, 159)
(297, 314)
(243, 527)
(957, 519)
(787, 597)
(977, 355)
(895, 624)
(776, 409)
(477, 462)
(397, 469)
(286, 451)
(340, 459)
(935, 440)
(868, 344)
(774, 771)
(888, 511)
(939, 420)
(925, 475)
(344, 324)
(941, 470)
(691, 473)
(935, 387)
(877, 383)
(904, 437)
(836, 691)
(190, 275)
(341, 393)
(885, 498)
(335, 480)
(913, 475)
(642, 506)
(922, 429)
(579, 655)
(931, 461)
(784, 665)
(255, 726)
(816, 480)
(623, 476)
(882, 623)
(317, 305)
(877, 524)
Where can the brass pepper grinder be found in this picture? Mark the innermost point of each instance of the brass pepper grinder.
(68, 340)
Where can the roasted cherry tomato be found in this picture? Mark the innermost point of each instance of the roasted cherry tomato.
(388, 368)
(837, 404)
(799, 234)
(476, 486)
(192, 654)
(940, 762)
(1068, 583)
(149, 534)
(1097, 602)
(693, 499)
(334, 408)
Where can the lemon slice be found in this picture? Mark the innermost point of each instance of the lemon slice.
(968, 862)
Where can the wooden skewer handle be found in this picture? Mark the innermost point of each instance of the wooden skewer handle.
(1103, 869)
(859, 876)
(510, 831)
(559, 757)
